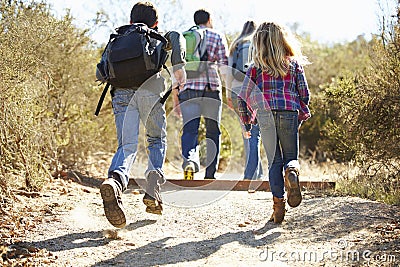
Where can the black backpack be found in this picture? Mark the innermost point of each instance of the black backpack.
(131, 56)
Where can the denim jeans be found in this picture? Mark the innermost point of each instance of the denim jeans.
(130, 107)
(280, 136)
(194, 104)
(253, 168)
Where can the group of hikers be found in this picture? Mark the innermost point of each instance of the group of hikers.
(271, 99)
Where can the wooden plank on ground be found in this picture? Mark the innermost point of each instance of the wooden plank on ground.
(233, 185)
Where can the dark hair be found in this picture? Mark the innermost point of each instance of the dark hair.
(249, 28)
(201, 16)
(144, 12)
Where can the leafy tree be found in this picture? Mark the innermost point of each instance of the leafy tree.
(329, 63)
(47, 95)
(364, 126)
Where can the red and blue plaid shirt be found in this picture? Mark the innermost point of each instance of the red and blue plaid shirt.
(216, 49)
(261, 90)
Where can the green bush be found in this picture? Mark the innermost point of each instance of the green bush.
(48, 96)
(329, 63)
(364, 123)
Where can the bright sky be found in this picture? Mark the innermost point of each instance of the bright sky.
(326, 21)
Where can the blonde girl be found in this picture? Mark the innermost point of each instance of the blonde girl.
(276, 92)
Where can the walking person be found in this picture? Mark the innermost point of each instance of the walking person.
(201, 97)
(130, 106)
(276, 91)
(238, 60)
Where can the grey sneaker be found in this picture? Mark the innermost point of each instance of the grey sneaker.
(152, 196)
(111, 192)
(293, 188)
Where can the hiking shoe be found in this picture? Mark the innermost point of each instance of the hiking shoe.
(152, 196)
(188, 173)
(293, 188)
(152, 205)
(111, 193)
(279, 210)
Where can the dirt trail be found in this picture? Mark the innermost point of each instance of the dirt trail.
(69, 228)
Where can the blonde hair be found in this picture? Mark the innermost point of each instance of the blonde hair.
(274, 48)
(249, 28)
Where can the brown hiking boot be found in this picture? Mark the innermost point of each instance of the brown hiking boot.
(293, 189)
(152, 205)
(152, 197)
(279, 210)
(111, 193)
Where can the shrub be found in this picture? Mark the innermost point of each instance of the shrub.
(48, 95)
(365, 125)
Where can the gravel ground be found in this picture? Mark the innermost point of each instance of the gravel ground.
(68, 228)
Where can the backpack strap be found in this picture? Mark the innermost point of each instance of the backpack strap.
(203, 45)
(101, 100)
(208, 78)
(235, 55)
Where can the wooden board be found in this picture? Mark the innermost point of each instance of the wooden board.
(234, 185)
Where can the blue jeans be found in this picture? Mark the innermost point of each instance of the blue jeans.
(253, 168)
(194, 104)
(280, 135)
(130, 107)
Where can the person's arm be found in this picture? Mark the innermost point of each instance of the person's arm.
(244, 101)
(178, 46)
(176, 107)
(229, 80)
(304, 94)
(244, 118)
(222, 58)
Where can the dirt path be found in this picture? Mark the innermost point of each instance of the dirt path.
(68, 228)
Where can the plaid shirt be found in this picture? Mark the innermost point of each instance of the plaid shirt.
(288, 93)
(216, 49)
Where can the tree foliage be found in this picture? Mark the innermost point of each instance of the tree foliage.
(366, 105)
(47, 94)
(364, 124)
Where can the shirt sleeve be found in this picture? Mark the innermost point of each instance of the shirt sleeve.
(218, 53)
(304, 94)
(229, 76)
(302, 85)
(177, 44)
(244, 96)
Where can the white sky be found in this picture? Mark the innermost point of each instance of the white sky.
(327, 21)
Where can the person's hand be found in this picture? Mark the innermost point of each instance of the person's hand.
(246, 134)
(180, 79)
(229, 103)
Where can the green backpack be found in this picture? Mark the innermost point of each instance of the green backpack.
(196, 51)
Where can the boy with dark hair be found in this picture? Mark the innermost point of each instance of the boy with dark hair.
(201, 16)
(130, 105)
(144, 12)
(201, 96)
